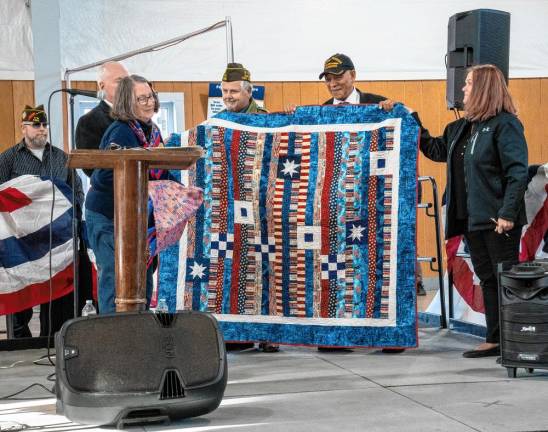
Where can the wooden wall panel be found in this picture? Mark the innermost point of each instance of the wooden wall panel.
(23, 94)
(309, 93)
(7, 119)
(543, 144)
(425, 97)
(527, 93)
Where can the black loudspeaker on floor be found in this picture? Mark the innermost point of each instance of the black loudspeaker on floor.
(523, 298)
(128, 368)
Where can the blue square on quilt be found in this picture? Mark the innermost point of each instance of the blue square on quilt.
(356, 232)
(243, 212)
(309, 237)
(380, 163)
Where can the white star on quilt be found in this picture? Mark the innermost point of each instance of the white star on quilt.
(290, 167)
(197, 270)
(356, 233)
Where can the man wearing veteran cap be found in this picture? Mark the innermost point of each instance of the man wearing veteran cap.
(237, 90)
(340, 74)
(35, 156)
(237, 97)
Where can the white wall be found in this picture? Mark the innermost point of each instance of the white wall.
(285, 40)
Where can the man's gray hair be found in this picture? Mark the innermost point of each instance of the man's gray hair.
(247, 86)
(124, 100)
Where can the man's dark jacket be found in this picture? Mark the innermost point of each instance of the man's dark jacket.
(365, 98)
(91, 128)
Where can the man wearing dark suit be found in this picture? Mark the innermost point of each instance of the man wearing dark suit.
(92, 126)
(340, 75)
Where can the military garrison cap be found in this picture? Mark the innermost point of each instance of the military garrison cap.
(34, 115)
(236, 72)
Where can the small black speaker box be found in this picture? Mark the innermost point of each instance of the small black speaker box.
(524, 317)
(139, 367)
(475, 37)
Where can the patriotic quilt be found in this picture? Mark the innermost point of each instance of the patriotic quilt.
(307, 231)
(25, 214)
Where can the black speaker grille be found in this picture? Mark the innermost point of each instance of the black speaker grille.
(172, 387)
(475, 37)
(131, 352)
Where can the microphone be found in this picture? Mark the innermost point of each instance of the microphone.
(77, 92)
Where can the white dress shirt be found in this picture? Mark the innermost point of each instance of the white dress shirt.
(353, 98)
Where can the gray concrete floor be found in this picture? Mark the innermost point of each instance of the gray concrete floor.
(431, 388)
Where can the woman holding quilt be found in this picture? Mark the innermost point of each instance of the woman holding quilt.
(486, 156)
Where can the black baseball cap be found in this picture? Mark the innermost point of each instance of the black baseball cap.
(337, 64)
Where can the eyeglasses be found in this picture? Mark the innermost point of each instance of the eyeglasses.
(143, 100)
(45, 125)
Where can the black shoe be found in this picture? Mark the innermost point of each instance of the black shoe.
(268, 347)
(393, 350)
(489, 352)
(420, 289)
(499, 360)
(238, 346)
(333, 349)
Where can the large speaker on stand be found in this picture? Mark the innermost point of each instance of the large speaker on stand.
(523, 300)
(475, 37)
(128, 368)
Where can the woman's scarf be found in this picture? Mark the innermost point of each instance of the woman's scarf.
(155, 140)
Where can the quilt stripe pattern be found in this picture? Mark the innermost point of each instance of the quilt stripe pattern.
(307, 231)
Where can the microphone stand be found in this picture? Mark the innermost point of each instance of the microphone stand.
(75, 224)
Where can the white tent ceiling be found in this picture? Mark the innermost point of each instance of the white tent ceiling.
(281, 40)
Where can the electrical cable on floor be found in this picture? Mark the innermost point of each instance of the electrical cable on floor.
(12, 365)
(28, 388)
(48, 356)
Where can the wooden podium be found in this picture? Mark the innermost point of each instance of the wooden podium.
(131, 168)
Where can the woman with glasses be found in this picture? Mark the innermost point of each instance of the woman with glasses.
(135, 103)
(486, 156)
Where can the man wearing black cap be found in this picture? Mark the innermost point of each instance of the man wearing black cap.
(340, 74)
(35, 156)
(237, 90)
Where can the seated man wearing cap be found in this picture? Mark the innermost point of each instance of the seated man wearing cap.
(237, 97)
(237, 90)
(35, 156)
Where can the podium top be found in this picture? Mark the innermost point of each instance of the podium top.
(166, 158)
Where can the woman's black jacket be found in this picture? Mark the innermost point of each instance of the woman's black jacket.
(495, 166)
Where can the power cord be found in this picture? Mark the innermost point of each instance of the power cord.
(28, 388)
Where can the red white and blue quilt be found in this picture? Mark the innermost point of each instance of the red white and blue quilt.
(307, 231)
